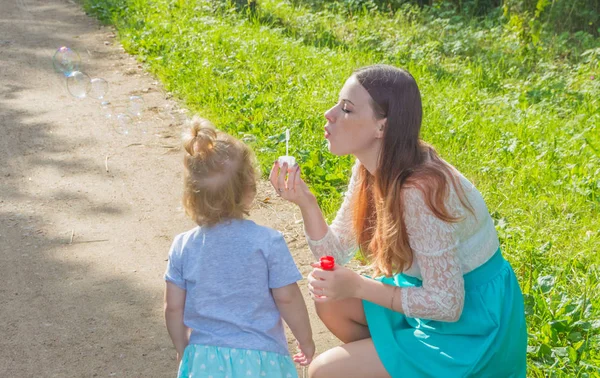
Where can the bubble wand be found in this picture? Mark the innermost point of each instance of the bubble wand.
(290, 160)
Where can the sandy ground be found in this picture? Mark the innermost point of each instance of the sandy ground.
(87, 215)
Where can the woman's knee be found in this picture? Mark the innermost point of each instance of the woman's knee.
(351, 309)
(345, 319)
(319, 369)
(354, 360)
(325, 310)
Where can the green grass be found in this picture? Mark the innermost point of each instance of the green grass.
(521, 120)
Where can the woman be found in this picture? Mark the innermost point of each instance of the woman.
(444, 302)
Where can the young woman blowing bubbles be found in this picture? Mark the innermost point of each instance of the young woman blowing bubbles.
(444, 303)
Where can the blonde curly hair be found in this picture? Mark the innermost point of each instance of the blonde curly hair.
(220, 175)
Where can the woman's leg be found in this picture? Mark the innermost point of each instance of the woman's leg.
(345, 319)
(357, 359)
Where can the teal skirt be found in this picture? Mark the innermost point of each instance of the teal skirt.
(489, 339)
(202, 361)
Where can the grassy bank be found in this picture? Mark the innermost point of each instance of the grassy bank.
(520, 119)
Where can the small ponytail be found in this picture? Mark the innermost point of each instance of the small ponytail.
(200, 141)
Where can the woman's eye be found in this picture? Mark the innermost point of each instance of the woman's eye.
(345, 109)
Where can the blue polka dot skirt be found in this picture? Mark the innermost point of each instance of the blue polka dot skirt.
(202, 361)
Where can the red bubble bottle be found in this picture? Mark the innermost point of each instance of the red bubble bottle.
(327, 262)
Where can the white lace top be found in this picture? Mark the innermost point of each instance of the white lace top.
(443, 252)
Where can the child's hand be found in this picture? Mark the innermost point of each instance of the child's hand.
(306, 354)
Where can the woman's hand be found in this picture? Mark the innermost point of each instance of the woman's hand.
(336, 284)
(289, 185)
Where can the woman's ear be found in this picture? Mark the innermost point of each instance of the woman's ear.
(382, 124)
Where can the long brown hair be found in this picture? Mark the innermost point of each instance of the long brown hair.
(404, 160)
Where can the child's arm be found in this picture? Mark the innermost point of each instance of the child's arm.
(293, 310)
(174, 304)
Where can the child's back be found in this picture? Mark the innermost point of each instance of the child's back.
(228, 271)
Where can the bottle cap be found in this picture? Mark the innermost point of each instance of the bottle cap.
(327, 262)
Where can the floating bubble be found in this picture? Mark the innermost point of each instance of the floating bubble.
(66, 60)
(78, 84)
(248, 138)
(122, 124)
(99, 88)
(106, 111)
(142, 127)
(136, 106)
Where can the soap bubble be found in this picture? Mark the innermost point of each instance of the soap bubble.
(248, 138)
(122, 124)
(66, 60)
(78, 84)
(142, 128)
(136, 106)
(99, 88)
(106, 111)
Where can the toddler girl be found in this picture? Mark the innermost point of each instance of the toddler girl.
(229, 281)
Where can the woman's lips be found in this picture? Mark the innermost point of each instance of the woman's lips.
(327, 134)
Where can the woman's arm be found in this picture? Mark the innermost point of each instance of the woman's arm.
(338, 239)
(174, 306)
(290, 186)
(315, 226)
(440, 298)
(434, 242)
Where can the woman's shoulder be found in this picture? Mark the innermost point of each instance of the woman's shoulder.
(425, 177)
(413, 195)
(455, 187)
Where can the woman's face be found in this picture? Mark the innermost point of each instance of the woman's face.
(351, 124)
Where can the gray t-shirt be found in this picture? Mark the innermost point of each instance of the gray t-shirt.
(227, 271)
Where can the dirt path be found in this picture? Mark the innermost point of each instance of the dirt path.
(87, 215)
